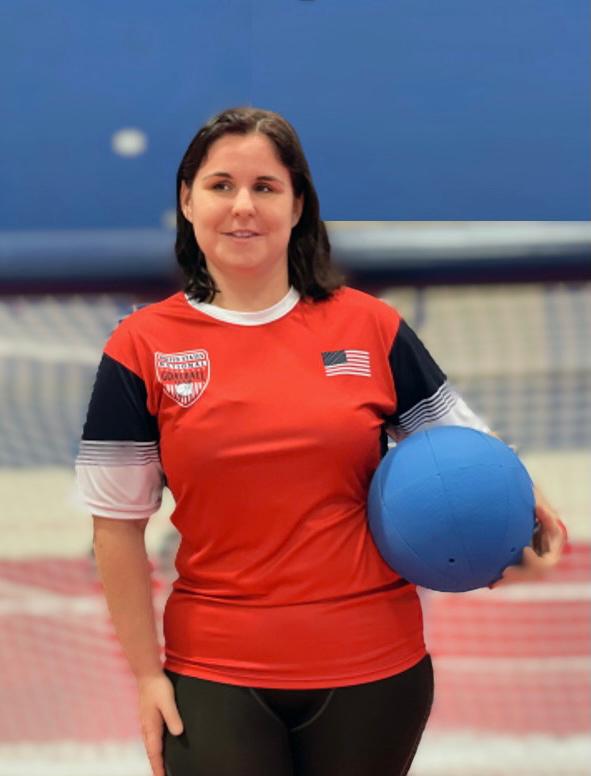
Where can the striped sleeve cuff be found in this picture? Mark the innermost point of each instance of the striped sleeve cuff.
(102, 453)
(120, 479)
(444, 408)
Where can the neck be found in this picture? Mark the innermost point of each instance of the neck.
(250, 293)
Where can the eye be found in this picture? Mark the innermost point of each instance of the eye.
(264, 187)
(222, 186)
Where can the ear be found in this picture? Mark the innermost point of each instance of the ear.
(298, 207)
(185, 198)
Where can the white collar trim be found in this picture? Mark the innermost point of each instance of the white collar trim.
(278, 310)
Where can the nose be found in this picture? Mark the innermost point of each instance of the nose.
(243, 204)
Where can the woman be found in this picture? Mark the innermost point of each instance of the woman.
(262, 395)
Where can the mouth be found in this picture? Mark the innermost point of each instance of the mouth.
(241, 234)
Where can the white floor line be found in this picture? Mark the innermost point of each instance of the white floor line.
(514, 665)
(440, 754)
(25, 599)
(472, 754)
(535, 591)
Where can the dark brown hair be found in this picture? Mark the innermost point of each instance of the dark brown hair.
(311, 272)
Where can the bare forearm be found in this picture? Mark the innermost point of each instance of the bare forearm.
(123, 566)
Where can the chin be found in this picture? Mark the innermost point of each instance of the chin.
(243, 266)
(243, 258)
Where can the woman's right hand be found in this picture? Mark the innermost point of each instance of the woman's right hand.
(157, 708)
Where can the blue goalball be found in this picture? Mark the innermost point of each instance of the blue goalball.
(450, 508)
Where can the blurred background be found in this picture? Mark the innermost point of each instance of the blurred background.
(449, 143)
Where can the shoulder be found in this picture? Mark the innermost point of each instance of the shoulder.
(139, 315)
(351, 301)
(143, 320)
(349, 314)
(140, 325)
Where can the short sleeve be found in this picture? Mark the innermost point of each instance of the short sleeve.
(424, 395)
(118, 465)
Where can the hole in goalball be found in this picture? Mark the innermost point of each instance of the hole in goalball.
(451, 560)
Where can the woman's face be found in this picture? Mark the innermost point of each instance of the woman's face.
(242, 206)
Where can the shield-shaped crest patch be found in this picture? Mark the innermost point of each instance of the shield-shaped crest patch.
(184, 376)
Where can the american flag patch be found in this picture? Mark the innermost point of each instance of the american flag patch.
(346, 362)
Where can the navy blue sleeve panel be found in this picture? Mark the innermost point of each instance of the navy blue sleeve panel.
(118, 465)
(118, 410)
(416, 375)
(425, 399)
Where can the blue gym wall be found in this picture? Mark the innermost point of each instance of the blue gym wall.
(407, 109)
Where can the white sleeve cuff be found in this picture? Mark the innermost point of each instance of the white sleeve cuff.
(132, 492)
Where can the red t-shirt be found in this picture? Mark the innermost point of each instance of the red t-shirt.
(266, 428)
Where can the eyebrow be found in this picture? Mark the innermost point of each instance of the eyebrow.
(221, 174)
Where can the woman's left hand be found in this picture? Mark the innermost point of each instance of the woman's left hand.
(549, 543)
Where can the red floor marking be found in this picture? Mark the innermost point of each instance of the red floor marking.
(63, 677)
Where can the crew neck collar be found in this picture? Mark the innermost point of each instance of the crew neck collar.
(256, 318)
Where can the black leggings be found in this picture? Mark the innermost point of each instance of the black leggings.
(368, 729)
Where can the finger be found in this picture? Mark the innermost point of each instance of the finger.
(152, 735)
(534, 562)
(531, 561)
(514, 574)
(554, 532)
(532, 566)
(520, 576)
(550, 538)
(172, 718)
(548, 519)
(549, 542)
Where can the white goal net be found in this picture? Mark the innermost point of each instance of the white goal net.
(512, 665)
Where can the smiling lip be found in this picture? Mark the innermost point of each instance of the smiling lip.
(241, 234)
